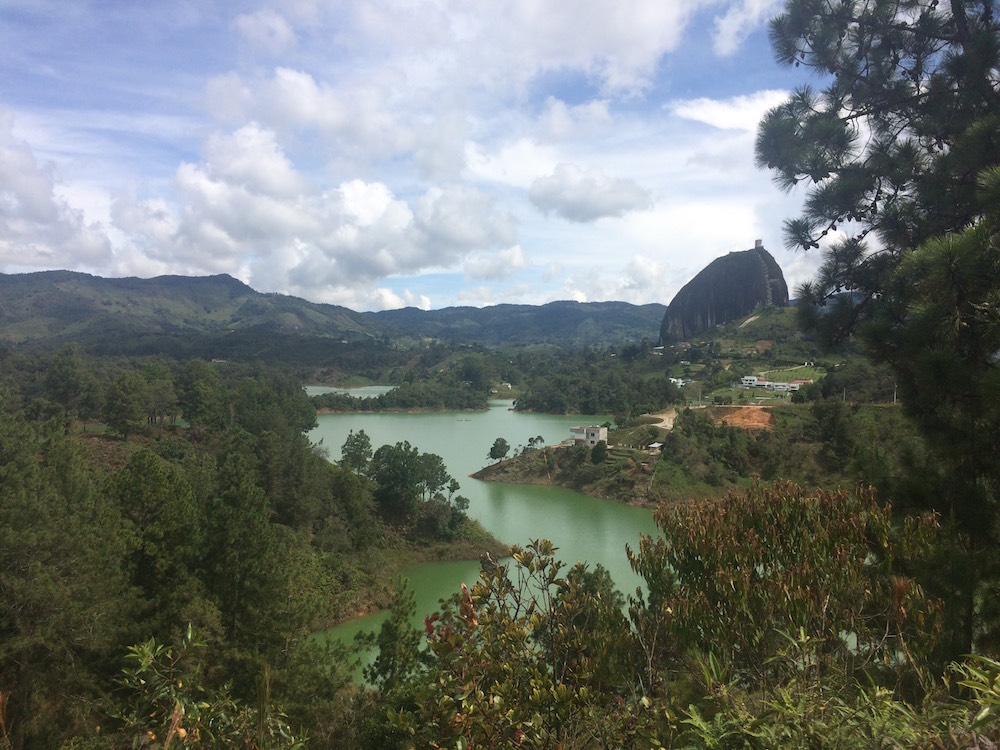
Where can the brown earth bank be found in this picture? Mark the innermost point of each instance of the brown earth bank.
(747, 417)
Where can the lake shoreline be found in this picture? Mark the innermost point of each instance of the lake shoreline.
(533, 468)
(402, 555)
(584, 528)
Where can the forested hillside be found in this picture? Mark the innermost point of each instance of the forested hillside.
(170, 541)
(119, 526)
(217, 316)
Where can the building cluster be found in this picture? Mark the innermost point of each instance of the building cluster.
(752, 381)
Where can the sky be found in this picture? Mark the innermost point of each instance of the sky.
(386, 153)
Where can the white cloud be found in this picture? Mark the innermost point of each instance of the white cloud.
(252, 157)
(495, 266)
(461, 219)
(587, 195)
(347, 151)
(266, 31)
(617, 44)
(560, 120)
(516, 164)
(739, 20)
(502, 46)
(386, 299)
(38, 228)
(736, 113)
(245, 209)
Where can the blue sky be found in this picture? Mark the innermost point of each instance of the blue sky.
(381, 154)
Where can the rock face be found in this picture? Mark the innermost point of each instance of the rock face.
(729, 288)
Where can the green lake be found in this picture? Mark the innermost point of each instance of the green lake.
(584, 529)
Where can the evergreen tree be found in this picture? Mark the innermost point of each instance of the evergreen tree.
(398, 473)
(499, 449)
(891, 148)
(356, 453)
(64, 601)
(125, 410)
(900, 155)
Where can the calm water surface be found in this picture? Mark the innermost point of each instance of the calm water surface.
(584, 529)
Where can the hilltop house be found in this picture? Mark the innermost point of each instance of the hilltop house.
(589, 435)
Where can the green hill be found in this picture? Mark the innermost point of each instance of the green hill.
(54, 307)
(57, 306)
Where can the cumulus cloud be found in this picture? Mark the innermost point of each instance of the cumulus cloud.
(739, 20)
(345, 151)
(244, 209)
(587, 195)
(461, 219)
(386, 299)
(495, 266)
(561, 120)
(515, 164)
(266, 31)
(38, 228)
(252, 157)
(735, 113)
(617, 44)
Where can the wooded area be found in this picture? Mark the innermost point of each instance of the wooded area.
(161, 577)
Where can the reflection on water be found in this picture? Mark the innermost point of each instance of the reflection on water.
(364, 391)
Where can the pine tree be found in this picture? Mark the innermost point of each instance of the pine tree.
(891, 149)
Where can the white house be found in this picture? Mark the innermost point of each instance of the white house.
(748, 381)
(589, 435)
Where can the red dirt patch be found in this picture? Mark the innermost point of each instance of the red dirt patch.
(747, 417)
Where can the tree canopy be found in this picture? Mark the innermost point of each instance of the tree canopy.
(899, 154)
(891, 147)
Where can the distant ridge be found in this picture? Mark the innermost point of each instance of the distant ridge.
(49, 308)
(57, 306)
(728, 288)
(568, 323)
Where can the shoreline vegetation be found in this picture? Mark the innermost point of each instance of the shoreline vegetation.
(698, 453)
(560, 466)
(470, 543)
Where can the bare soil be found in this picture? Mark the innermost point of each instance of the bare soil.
(747, 417)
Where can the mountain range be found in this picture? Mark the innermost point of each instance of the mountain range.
(50, 308)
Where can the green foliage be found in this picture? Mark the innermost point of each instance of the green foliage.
(499, 449)
(592, 382)
(64, 601)
(165, 531)
(599, 453)
(399, 659)
(70, 383)
(529, 657)
(103, 543)
(202, 395)
(398, 474)
(825, 711)
(163, 702)
(125, 408)
(941, 341)
(410, 491)
(356, 452)
(901, 148)
(730, 576)
(981, 676)
(893, 142)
